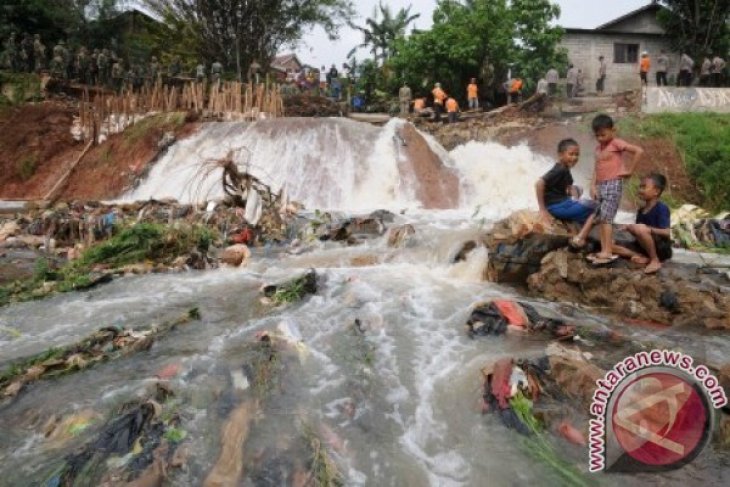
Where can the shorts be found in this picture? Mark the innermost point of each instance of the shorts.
(609, 198)
(663, 247)
(572, 210)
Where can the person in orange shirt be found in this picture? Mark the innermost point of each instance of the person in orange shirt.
(419, 105)
(439, 97)
(644, 66)
(453, 108)
(515, 90)
(472, 94)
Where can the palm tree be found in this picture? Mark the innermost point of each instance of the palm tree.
(380, 34)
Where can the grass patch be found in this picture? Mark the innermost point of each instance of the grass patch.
(166, 121)
(20, 87)
(539, 446)
(26, 166)
(143, 242)
(704, 142)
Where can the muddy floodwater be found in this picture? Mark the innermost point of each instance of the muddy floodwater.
(383, 371)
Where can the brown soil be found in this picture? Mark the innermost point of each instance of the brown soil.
(662, 156)
(436, 185)
(107, 170)
(35, 144)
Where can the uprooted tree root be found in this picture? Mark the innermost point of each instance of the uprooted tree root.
(108, 343)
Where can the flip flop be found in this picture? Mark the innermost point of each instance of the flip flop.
(600, 261)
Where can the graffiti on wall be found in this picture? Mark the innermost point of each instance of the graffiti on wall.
(666, 99)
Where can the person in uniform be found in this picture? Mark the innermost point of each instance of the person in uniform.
(39, 54)
(405, 96)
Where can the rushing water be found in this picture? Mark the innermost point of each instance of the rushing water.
(408, 415)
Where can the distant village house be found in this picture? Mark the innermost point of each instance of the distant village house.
(286, 66)
(620, 42)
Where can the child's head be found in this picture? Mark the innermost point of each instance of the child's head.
(603, 128)
(568, 152)
(652, 186)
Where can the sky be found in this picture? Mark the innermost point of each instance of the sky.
(317, 50)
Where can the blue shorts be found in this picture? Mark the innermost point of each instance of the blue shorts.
(572, 210)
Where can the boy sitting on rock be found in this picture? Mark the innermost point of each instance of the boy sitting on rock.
(555, 188)
(651, 230)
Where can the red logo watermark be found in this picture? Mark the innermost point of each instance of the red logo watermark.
(652, 412)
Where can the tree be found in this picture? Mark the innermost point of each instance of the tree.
(537, 40)
(482, 39)
(381, 34)
(239, 32)
(698, 27)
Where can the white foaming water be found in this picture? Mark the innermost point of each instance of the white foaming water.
(324, 163)
(340, 164)
(498, 179)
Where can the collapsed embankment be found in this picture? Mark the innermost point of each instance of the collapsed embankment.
(37, 150)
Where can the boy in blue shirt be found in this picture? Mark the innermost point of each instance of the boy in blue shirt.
(555, 188)
(652, 227)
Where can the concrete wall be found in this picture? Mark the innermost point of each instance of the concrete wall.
(585, 47)
(643, 23)
(660, 100)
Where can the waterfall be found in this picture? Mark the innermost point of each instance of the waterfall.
(336, 163)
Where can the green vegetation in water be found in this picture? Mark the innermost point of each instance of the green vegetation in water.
(175, 435)
(539, 446)
(704, 141)
(142, 242)
(324, 470)
(295, 290)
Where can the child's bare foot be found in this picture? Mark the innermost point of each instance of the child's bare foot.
(653, 267)
(640, 260)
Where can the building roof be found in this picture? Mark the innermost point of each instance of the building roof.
(623, 25)
(653, 6)
(285, 58)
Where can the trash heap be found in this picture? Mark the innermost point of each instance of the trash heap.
(108, 343)
(693, 227)
(310, 106)
(139, 446)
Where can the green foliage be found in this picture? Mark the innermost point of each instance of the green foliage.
(323, 468)
(139, 243)
(175, 435)
(161, 122)
(21, 87)
(481, 39)
(539, 446)
(383, 29)
(704, 141)
(698, 27)
(146, 241)
(238, 32)
(27, 166)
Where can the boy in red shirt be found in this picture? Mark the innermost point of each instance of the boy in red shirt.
(607, 185)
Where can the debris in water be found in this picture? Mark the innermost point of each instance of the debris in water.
(293, 290)
(108, 343)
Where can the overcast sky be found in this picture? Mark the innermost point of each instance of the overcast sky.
(317, 50)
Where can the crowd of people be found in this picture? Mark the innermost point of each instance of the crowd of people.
(101, 67)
